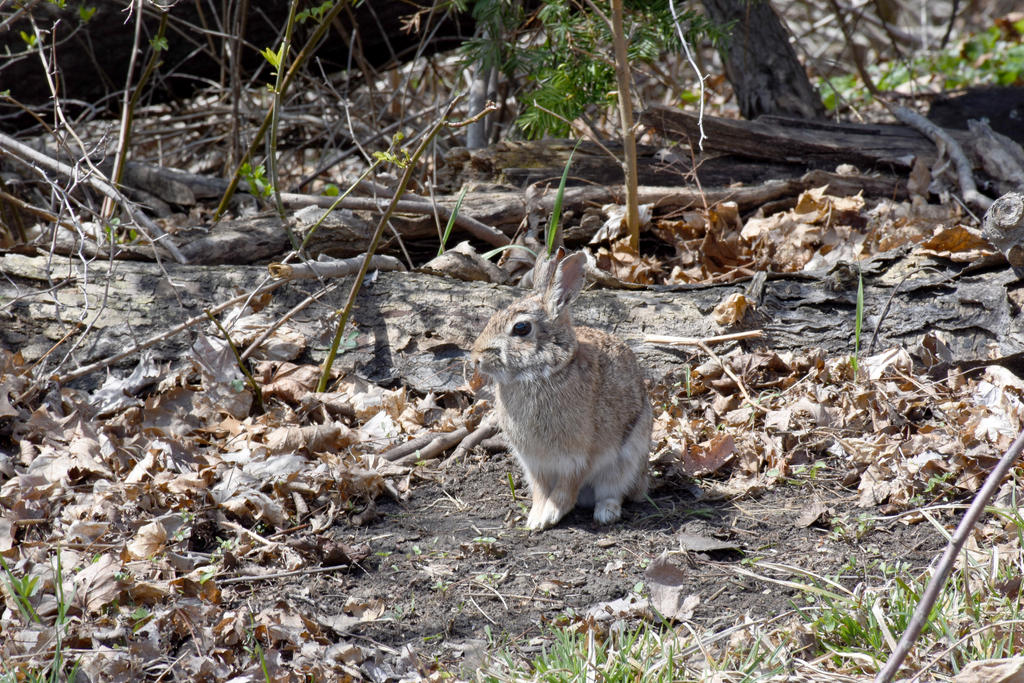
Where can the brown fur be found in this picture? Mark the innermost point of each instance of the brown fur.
(571, 401)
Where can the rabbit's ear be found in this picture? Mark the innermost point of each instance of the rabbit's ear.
(544, 269)
(566, 284)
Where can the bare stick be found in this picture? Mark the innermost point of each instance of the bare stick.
(331, 268)
(739, 383)
(298, 308)
(281, 575)
(438, 445)
(358, 280)
(425, 446)
(471, 225)
(696, 70)
(964, 173)
(945, 565)
(699, 341)
(486, 430)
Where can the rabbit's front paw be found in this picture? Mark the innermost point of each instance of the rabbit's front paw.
(543, 514)
(607, 510)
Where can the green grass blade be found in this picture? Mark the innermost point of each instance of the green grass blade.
(556, 209)
(859, 321)
(451, 220)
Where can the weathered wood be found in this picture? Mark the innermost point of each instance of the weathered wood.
(1003, 226)
(820, 144)
(415, 328)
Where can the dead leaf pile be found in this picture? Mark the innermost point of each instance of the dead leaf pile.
(902, 438)
(717, 245)
(144, 500)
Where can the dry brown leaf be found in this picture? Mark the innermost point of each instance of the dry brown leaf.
(1009, 670)
(731, 310)
(632, 605)
(287, 381)
(957, 243)
(255, 506)
(665, 581)
(96, 586)
(702, 460)
(368, 609)
(310, 439)
(149, 540)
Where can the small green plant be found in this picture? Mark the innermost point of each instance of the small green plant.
(29, 38)
(315, 13)
(254, 648)
(993, 57)
(574, 653)
(274, 57)
(140, 617)
(560, 52)
(400, 158)
(85, 13)
(256, 177)
(22, 589)
(843, 528)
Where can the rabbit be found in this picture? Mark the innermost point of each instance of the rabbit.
(570, 401)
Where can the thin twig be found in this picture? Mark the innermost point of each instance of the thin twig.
(30, 157)
(739, 383)
(282, 575)
(331, 268)
(295, 310)
(358, 280)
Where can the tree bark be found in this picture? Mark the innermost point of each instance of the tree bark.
(761, 64)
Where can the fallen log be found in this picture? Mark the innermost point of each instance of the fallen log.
(415, 329)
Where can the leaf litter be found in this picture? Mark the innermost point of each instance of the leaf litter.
(170, 500)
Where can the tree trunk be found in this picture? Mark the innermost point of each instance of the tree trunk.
(761, 64)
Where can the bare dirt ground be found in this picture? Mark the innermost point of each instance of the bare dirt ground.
(461, 579)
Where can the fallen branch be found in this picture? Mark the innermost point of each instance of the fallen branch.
(331, 267)
(281, 575)
(942, 139)
(701, 341)
(471, 225)
(486, 430)
(110, 360)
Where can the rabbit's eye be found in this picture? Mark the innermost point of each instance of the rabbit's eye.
(521, 328)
